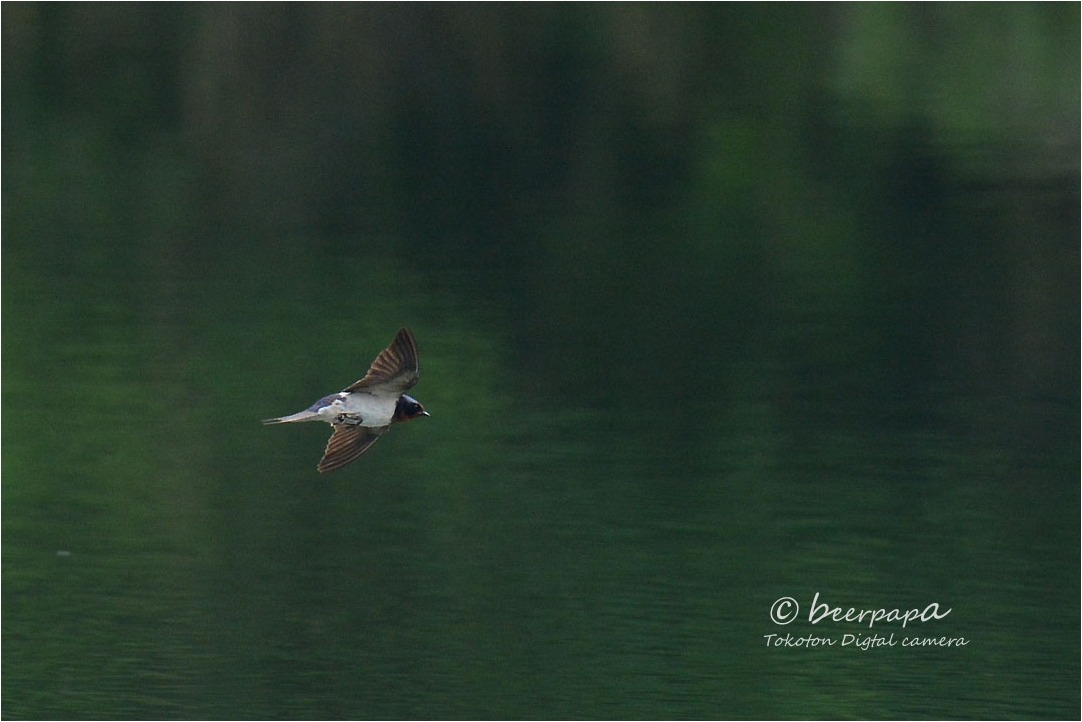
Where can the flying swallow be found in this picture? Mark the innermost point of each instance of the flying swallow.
(360, 414)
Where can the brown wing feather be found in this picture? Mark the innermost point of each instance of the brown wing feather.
(396, 366)
(346, 445)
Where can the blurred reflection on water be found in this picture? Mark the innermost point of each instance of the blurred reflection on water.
(519, 556)
(806, 349)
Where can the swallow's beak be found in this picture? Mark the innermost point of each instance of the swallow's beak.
(425, 413)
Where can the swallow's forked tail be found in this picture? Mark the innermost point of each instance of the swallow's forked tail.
(306, 415)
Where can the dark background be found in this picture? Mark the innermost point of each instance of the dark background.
(716, 304)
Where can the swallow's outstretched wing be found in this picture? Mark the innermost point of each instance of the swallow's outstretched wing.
(347, 444)
(394, 370)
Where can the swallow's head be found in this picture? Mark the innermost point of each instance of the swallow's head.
(408, 409)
